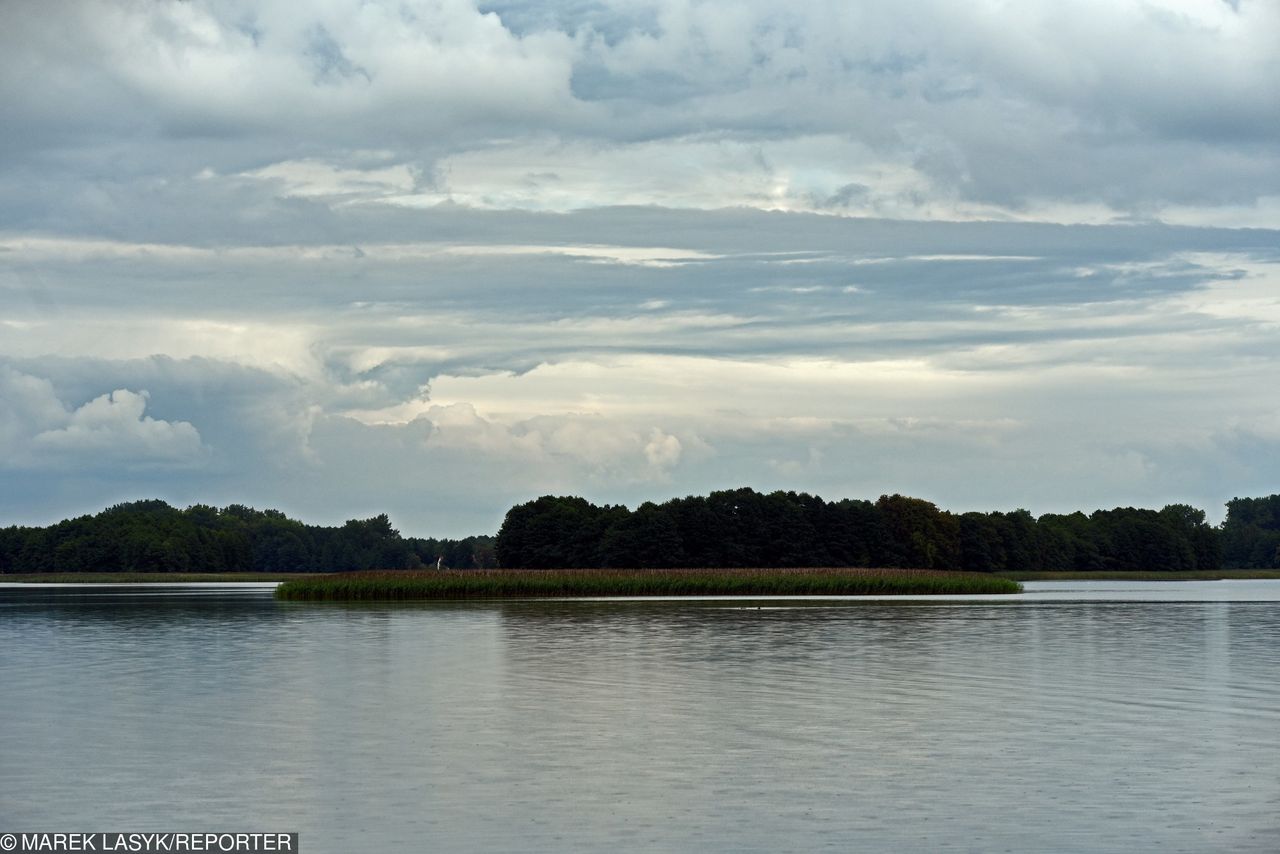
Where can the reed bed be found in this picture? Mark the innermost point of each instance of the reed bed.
(531, 583)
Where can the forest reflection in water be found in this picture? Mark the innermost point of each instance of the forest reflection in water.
(1070, 718)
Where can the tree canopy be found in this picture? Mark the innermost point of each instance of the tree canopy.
(151, 536)
(745, 528)
(727, 528)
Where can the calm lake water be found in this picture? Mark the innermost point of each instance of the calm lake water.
(1077, 717)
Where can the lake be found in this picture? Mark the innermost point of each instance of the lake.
(1080, 716)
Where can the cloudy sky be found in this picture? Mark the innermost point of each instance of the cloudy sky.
(434, 258)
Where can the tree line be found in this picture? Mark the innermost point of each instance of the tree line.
(152, 536)
(728, 528)
(745, 528)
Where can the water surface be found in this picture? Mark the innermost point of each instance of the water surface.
(1081, 716)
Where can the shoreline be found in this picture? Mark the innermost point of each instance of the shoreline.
(146, 577)
(243, 577)
(1152, 575)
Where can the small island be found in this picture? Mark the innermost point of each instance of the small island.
(531, 583)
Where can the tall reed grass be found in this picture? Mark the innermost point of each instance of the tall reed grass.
(527, 583)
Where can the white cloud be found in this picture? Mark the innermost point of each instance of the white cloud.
(114, 429)
(1248, 290)
(315, 178)
(115, 426)
(663, 450)
(596, 446)
(641, 386)
(30, 405)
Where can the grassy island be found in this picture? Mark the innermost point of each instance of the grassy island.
(527, 583)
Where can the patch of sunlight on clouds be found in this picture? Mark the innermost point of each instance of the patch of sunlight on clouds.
(604, 447)
(311, 178)
(857, 262)
(695, 386)
(685, 172)
(38, 248)
(78, 249)
(1249, 289)
(643, 256)
(364, 359)
(286, 346)
(1263, 212)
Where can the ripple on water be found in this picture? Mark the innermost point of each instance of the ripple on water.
(1080, 722)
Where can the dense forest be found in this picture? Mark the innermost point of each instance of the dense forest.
(730, 528)
(151, 536)
(744, 528)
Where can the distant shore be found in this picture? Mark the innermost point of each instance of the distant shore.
(143, 577)
(1153, 575)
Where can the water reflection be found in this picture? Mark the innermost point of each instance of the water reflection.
(1082, 720)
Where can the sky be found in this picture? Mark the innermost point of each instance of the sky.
(433, 259)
